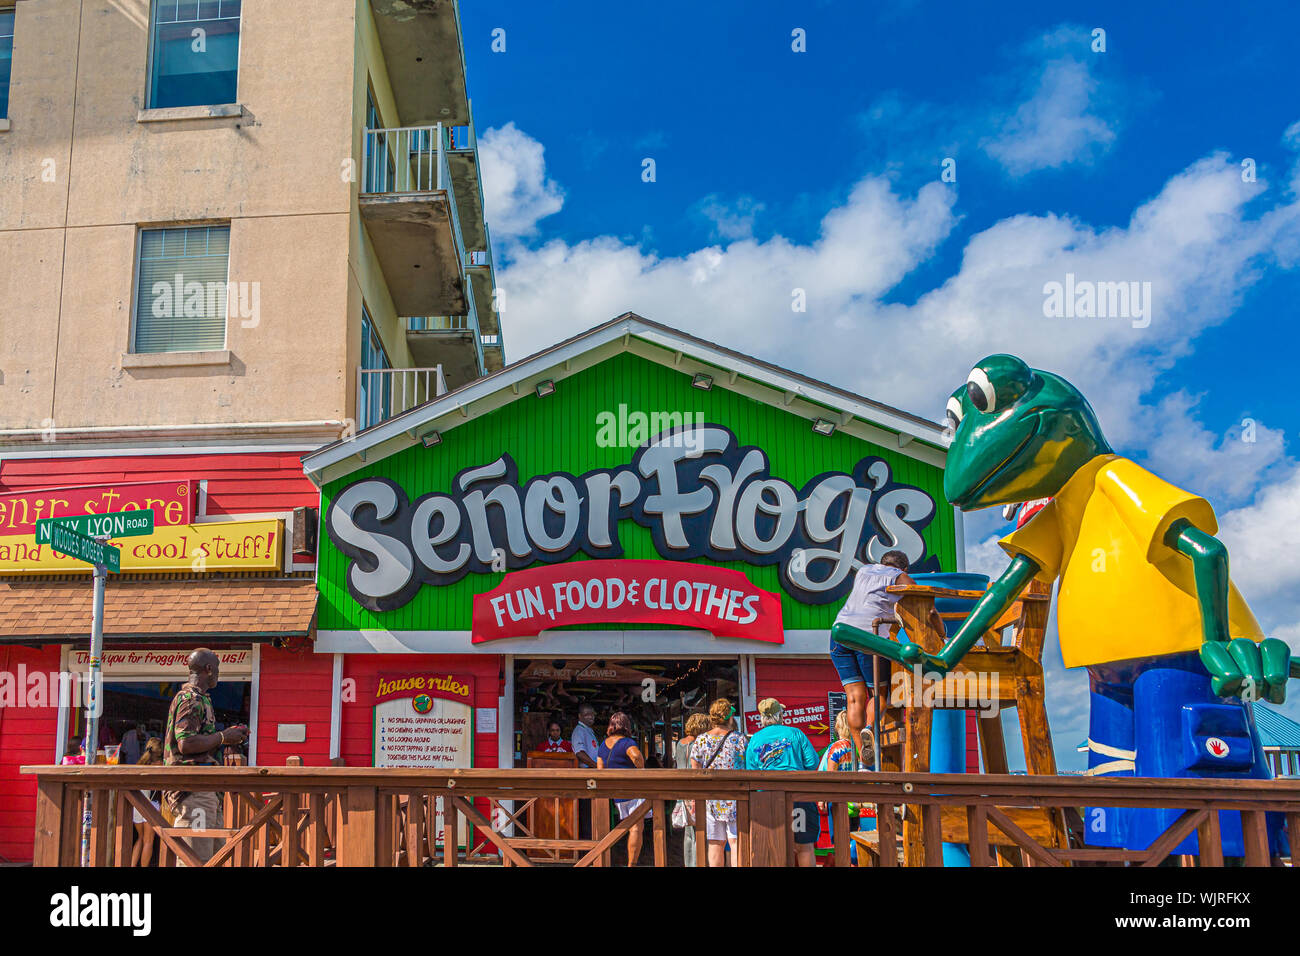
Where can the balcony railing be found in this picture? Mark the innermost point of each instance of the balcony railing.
(363, 816)
(439, 323)
(409, 159)
(384, 393)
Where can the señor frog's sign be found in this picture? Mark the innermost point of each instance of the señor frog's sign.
(699, 491)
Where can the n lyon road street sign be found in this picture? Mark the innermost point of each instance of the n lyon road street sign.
(66, 541)
(115, 524)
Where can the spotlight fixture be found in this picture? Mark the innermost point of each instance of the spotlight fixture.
(702, 381)
(433, 438)
(545, 387)
(823, 426)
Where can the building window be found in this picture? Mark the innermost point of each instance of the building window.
(6, 58)
(381, 171)
(181, 289)
(376, 398)
(194, 54)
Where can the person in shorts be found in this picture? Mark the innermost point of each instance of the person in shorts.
(721, 747)
(777, 746)
(869, 607)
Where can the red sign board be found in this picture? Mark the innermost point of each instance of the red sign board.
(810, 716)
(719, 600)
(172, 503)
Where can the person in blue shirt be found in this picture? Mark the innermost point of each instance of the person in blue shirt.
(779, 747)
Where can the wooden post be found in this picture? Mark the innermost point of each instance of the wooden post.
(660, 833)
(769, 828)
(99, 835)
(932, 834)
(1209, 840)
(701, 833)
(977, 835)
(600, 827)
(414, 823)
(48, 848)
(744, 846)
(887, 828)
(358, 832)
(289, 830)
(450, 838)
(1255, 834)
(124, 832)
(843, 838)
(316, 828)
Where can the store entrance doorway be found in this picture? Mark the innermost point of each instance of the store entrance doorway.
(658, 694)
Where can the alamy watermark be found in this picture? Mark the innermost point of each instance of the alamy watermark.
(177, 299)
(1086, 299)
(36, 689)
(626, 428)
(977, 690)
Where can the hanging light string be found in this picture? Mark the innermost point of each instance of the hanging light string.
(681, 677)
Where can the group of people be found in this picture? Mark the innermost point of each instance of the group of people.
(712, 741)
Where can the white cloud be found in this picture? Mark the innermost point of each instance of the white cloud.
(1060, 123)
(1263, 540)
(1224, 468)
(734, 220)
(1047, 107)
(517, 193)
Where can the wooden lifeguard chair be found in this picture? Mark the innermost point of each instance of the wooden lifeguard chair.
(1015, 659)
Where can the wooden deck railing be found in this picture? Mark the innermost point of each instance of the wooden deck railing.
(353, 816)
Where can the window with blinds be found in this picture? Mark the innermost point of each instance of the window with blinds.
(181, 289)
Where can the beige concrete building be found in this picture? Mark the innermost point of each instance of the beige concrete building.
(225, 220)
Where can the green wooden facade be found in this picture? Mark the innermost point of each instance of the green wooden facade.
(560, 433)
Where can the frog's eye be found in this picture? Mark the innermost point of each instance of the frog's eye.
(981, 391)
(954, 412)
(953, 416)
(998, 381)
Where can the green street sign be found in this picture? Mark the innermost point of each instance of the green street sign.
(113, 524)
(74, 545)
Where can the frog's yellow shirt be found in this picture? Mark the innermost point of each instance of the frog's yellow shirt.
(1124, 593)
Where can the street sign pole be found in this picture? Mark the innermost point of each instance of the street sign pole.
(85, 537)
(94, 698)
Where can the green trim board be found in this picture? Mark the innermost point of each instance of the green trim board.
(569, 432)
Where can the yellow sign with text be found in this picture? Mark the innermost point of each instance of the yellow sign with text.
(215, 546)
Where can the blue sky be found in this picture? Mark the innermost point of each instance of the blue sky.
(820, 170)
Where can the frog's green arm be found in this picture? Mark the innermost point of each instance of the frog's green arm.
(1210, 571)
(1000, 596)
(1233, 665)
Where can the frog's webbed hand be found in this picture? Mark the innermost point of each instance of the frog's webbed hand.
(1238, 668)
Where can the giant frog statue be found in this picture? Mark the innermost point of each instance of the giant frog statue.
(1174, 654)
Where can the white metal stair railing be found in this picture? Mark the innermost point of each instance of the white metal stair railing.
(383, 393)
